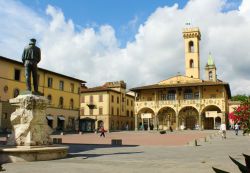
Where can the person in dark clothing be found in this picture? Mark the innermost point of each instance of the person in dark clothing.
(102, 132)
(31, 57)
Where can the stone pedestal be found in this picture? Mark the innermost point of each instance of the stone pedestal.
(29, 122)
(30, 139)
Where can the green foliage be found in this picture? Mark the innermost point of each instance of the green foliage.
(242, 168)
(241, 98)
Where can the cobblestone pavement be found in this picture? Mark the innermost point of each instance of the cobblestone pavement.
(103, 158)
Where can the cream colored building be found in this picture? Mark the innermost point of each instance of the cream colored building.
(62, 91)
(184, 101)
(109, 106)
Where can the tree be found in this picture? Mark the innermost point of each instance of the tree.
(241, 98)
(242, 115)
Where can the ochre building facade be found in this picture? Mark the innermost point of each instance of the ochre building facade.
(184, 101)
(109, 106)
(63, 93)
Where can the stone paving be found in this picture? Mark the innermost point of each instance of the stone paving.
(103, 158)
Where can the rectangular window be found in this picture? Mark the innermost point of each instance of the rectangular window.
(72, 87)
(82, 111)
(61, 85)
(131, 102)
(188, 95)
(17, 74)
(100, 111)
(127, 102)
(112, 111)
(100, 98)
(90, 111)
(117, 99)
(91, 99)
(127, 113)
(118, 111)
(50, 82)
(83, 99)
(171, 96)
(112, 98)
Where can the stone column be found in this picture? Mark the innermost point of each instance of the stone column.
(155, 122)
(200, 124)
(214, 122)
(177, 122)
(136, 122)
(148, 124)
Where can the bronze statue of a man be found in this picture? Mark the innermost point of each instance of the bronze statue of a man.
(31, 57)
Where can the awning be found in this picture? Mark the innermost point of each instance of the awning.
(61, 118)
(49, 117)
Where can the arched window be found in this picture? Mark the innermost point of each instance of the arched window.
(61, 102)
(191, 63)
(188, 94)
(191, 46)
(49, 98)
(210, 75)
(71, 104)
(16, 92)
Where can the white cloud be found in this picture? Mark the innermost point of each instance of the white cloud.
(157, 52)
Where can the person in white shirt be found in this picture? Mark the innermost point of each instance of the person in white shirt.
(223, 130)
(236, 128)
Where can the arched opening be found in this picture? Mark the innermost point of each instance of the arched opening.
(191, 63)
(191, 46)
(100, 124)
(217, 122)
(188, 118)
(16, 92)
(210, 75)
(166, 118)
(61, 102)
(209, 115)
(146, 119)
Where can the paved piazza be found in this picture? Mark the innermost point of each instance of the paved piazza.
(143, 152)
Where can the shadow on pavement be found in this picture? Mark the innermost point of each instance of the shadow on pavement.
(76, 149)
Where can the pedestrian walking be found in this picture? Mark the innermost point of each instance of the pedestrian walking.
(102, 130)
(223, 130)
(236, 128)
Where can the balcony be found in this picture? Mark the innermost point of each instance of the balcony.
(181, 103)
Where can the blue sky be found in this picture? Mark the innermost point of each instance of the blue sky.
(125, 16)
(138, 41)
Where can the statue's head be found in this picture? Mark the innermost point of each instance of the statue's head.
(32, 41)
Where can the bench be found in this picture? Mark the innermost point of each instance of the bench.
(116, 142)
(57, 140)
